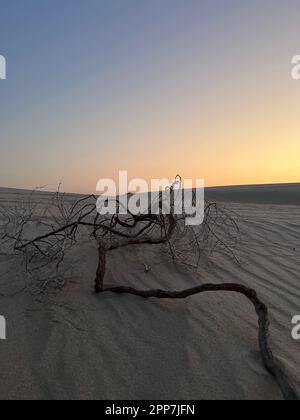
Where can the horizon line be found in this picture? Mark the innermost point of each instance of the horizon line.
(40, 189)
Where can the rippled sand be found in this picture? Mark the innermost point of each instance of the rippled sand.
(76, 345)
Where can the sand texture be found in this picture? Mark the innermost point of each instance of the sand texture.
(73, 344)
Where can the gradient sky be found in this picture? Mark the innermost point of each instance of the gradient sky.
(158, 87)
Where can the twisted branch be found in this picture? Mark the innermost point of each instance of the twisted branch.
(272, 365)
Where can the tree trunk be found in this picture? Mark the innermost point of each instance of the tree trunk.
(99, 281)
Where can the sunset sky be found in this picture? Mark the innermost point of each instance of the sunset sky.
(156, 87)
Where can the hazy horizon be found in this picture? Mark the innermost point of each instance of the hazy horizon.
(45, 189)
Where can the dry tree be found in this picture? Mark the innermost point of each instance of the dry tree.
(61, 227)
(62, 223)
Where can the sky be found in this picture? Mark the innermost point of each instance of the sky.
(202, 88)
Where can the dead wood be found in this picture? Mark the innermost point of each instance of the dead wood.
(272, 365)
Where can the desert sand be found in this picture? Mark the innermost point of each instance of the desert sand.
(73, 344)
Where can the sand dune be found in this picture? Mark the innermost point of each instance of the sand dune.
(73, 344)
(285, 194)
